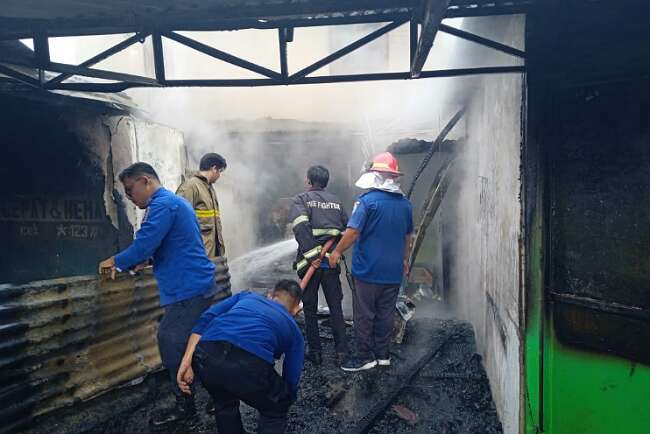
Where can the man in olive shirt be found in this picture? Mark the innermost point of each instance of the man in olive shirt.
(200, 194)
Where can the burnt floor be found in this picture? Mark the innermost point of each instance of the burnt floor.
(435, 385)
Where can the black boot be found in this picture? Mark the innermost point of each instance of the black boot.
(182, 411)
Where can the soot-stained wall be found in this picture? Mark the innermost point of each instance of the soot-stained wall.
(592, 122)
(62, 208)
(483, 211)
(53, 219)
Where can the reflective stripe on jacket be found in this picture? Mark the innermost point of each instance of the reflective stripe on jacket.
(203, 199)
(316, 216)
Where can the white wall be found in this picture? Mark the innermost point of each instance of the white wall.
(485, 211)
(134, 139)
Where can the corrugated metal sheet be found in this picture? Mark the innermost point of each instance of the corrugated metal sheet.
(66, 340)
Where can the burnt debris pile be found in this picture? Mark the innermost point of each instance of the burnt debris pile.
(436, 384)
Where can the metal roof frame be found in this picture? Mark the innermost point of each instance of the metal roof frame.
(424, 18)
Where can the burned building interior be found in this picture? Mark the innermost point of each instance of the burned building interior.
(523, 133)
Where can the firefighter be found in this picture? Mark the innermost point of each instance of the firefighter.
(200, 194)
(170, 235)
(380, 229)
(317, 216)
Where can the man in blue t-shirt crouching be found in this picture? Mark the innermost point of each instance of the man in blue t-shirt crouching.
(233, 348)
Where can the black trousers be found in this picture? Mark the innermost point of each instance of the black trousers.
(174, 331)
(231, 374)
(329, 280)
(374, 310)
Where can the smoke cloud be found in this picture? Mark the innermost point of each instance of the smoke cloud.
(271, 135)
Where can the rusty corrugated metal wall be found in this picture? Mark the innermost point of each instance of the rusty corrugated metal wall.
(66, 340)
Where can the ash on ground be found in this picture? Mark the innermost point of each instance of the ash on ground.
(436, 384)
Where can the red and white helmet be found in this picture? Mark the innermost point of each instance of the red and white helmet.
(385, 163)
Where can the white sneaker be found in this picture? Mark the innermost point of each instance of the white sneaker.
(355, 364)
(383, 362)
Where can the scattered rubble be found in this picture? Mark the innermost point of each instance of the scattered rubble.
(436, 384)
(405, 413)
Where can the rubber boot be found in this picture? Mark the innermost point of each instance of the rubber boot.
(182, 411)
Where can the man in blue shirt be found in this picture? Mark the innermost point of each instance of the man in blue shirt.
(233, 348)
(380, 229)
(170, 235)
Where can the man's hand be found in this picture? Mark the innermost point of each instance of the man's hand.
(185, 376)
(107, 266)
(335, 257)
(316, 263)
(140, 267)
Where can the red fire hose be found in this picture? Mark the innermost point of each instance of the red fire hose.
(310, 272)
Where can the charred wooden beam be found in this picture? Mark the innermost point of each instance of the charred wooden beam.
(363, 424)
(435, 196)
(435, 147)
(434, 12)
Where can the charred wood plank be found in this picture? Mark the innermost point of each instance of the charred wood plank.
(434, 199)
(365, 423)
(435, 147)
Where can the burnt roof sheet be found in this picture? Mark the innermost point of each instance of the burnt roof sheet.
(23, 18)
(70, 339)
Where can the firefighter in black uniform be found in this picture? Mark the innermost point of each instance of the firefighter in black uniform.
(317, 216)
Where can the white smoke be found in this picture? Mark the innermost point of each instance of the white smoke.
(370, 114)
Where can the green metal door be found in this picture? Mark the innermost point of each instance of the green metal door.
(587, 352)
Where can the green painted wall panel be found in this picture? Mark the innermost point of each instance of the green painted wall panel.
(589, 393)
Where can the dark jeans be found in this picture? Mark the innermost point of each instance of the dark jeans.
(329, 280)
(231, 374)
(175, 329)
(374, 309)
